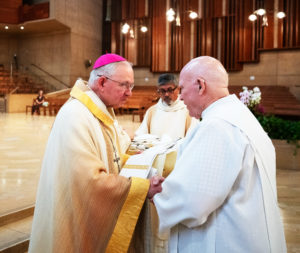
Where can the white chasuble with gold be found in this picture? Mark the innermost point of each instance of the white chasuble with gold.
(82, 204)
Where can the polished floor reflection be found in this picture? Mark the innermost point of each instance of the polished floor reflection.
(22, 143)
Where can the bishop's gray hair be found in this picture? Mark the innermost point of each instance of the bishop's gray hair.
(106, 70)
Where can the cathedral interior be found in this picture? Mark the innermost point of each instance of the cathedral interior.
(48, 44)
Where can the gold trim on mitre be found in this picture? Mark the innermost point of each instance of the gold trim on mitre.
(77, 93)
(121, 237)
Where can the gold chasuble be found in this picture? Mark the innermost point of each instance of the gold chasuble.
(83, 205)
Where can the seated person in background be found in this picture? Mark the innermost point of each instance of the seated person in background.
(38, 102)
(170, 115)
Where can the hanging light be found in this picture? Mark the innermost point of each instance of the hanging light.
(193, 15)
(125, 28)
(170, 18)
(170, 12)
(252, 17)
(22, 27)
(144, 29)
(280, 14)
(170, 15)
(261, 12)
(6, 27)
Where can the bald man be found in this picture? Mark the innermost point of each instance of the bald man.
(221, 195)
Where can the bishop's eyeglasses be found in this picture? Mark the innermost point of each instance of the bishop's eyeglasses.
(124, 85)
(163, 91)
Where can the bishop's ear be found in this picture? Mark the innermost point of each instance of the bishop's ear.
(101, 82)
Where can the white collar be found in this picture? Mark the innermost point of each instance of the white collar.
(175, 106)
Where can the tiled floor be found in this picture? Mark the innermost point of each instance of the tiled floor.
(22, 143)
(288, 188)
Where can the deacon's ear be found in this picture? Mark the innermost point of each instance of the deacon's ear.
(202, 85)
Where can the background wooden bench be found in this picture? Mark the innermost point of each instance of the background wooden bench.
(142, 98)
(277, 100)
(55, 104)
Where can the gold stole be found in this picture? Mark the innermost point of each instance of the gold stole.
(107, 124)
(120, 240)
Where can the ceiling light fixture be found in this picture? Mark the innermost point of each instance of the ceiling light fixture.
(125, 28)
(170, 12)
(144, 29)
(252, 17)
(260, 12)
(193, 15)
(280, 14)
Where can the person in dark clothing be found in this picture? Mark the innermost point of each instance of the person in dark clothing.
(38, 102)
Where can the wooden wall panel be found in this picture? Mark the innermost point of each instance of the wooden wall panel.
(291, 24)
(116, 44)
(9, 15)
(183, 37)
(194, 5)
(133, 9)
(280, 25)
(144, 44)
(34, 12)
(13, 12)
(218, 8)
(11, 4)
(222, 30)
(297, 23)
(159, 41)
(268, 31)
(9, 11)
(247, 33)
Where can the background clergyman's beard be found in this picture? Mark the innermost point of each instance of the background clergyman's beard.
(167, 100)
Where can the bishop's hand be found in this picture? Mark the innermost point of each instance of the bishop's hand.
(155, 186)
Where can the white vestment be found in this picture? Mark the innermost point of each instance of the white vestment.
(161, 119)
(221, 195)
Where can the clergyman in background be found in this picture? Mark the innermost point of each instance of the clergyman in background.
(169, 116)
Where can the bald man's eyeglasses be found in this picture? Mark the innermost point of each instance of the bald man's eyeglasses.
(124, 85)
(164, 92)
